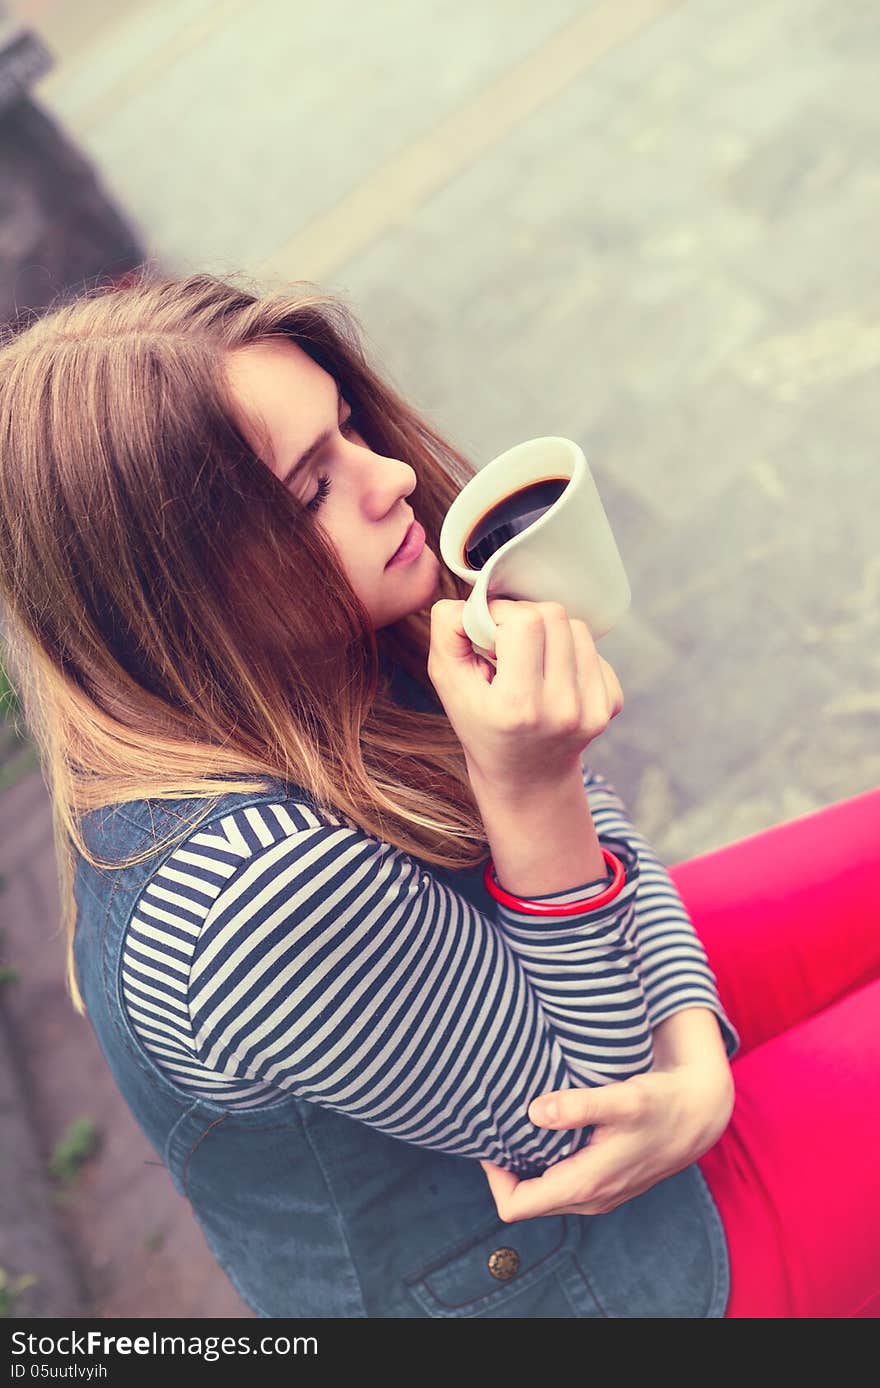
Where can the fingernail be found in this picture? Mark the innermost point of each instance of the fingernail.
(544, 1111)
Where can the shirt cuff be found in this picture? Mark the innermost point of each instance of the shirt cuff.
(599, 915)
(594, 888)
(729, 1033)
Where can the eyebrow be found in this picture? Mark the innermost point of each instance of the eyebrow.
(316, 446)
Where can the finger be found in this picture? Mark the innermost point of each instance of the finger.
(519, 653)
(594, 1180)
(612, 684)
(447, 633)
(501, 1183)
(567, 1183)
(597, 701)
(617, 1102)
(585, 664)
(560, 665)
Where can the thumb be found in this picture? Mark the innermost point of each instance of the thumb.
(575, 1108)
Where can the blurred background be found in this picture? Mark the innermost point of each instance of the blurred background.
(649, 225)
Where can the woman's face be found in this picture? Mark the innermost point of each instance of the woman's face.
(358, 496)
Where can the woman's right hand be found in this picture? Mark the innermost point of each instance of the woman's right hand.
(551, 695)
(646, 1128)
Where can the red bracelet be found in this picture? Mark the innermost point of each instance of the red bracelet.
(572, 908)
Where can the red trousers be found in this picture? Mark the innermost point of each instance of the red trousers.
(790, 921)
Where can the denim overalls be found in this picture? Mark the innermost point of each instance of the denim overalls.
(312, 1214)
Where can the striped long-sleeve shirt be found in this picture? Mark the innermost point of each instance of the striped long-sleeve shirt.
(282, 951)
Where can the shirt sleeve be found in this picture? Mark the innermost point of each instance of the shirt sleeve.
(332, 965)
(675, 970)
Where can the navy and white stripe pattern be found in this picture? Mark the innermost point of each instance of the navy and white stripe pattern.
(675, 971)
(280, 951)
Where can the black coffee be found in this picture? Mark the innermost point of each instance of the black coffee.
(510, 517)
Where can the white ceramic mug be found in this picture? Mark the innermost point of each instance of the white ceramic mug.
(566, 554)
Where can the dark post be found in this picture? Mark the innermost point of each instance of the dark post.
(59, 231)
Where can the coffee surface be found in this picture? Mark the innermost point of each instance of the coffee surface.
(510, 517)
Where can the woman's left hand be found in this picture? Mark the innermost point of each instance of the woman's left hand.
(648, 1127)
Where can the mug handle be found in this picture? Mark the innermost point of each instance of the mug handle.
(477, 621)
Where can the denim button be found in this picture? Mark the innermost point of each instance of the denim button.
(504, 1263)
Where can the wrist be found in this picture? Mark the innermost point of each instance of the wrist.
(542, 839)
(495, 789)
(598, 893)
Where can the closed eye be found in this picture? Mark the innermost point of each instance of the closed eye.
(320, 495)
(347, 427)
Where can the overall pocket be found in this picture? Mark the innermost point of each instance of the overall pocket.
(524, 1269)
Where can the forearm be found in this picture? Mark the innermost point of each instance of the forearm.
(688, 1037)
(542, 839)
(584, 967)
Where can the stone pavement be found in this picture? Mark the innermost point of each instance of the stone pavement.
(647, 225)
(120, 1241)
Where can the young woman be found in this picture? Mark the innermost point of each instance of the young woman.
(342, 902)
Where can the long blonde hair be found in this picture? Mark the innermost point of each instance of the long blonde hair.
(177, 625)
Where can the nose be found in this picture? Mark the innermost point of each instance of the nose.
(390, 480)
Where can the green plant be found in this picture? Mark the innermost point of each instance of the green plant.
(11, 1290)
(8, 974)
(18, 754)
(80, 1141)
(9, 706)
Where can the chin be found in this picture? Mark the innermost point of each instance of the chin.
(422, 599)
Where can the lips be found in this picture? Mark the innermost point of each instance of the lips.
(403, 542)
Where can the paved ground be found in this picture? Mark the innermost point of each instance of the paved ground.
(647, 225)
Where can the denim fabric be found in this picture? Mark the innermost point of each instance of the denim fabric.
(312, 1214)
